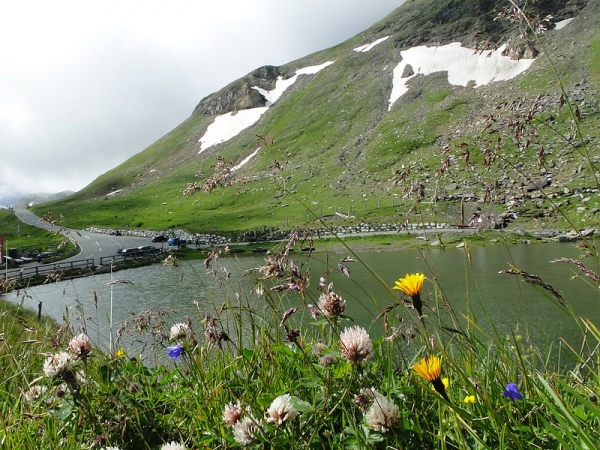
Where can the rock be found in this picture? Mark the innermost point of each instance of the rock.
(537, 184)
(545, 234)
(567, 237)
(241, 94)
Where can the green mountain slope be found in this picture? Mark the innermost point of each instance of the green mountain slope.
(330, 145)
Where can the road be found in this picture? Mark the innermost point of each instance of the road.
(91, 245)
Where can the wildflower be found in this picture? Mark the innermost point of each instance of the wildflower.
(173, 446)
(430, 368)
(110, 448)
(175, 351)
(179, 331)
(120, 352)
(512, 392)
(34, 392)
(412, 285)
(355, 344)
(331, 304)
(57, 364)
(80, 346)
(319, 348)
(244, 431)
(382, 414)
(281, 410)
(469, 399)
(327, 360)
(232, 413)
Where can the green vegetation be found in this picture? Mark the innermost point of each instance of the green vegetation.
(28, 238)
(257, 372)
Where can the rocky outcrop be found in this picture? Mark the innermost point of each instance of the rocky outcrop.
(240, 94)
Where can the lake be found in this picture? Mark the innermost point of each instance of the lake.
(501, 300)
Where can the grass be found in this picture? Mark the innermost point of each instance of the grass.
(237, 376)
(27, 238)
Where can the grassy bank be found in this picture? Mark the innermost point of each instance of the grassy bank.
(30, 239)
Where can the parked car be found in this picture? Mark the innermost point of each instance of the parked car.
(177, 241)
(44, 256)
(130, 252)
(159, 238)
(148, 249)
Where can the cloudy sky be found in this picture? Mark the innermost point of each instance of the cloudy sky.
(84, 85)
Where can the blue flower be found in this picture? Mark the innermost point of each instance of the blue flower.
(175, 351)
(512, 392)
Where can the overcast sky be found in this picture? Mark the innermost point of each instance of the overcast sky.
(84, 85)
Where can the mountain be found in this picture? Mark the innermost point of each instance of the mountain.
(441, 108)
(41, 197)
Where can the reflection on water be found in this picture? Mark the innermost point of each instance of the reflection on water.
(496, 299)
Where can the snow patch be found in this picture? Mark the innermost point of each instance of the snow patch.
(227, 126)
(462, 64)
(563, 23)
(367, 47)
(246, 159)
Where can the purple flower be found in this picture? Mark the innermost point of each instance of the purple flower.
(175, 351)
(512, 392)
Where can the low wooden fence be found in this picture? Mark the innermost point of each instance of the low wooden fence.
(47, 269)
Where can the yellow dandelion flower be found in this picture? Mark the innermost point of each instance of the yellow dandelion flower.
(411, 284)
(430, 368)
(120, 352)
(469, 399)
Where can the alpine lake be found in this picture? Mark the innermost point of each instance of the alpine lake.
(466, 280)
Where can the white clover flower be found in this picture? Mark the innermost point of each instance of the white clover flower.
(232, 413)
(331, 305)
(281, 410)
(58, 363)
(34, 392)
(80, 345)
(355, 344)
(179, 331)
(244, 431)
(382, 414)
(173, 446)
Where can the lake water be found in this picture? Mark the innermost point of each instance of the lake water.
(498, 299)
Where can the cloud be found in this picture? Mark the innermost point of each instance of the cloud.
(87, 85)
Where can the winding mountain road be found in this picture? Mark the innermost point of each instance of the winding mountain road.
(92, 245)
